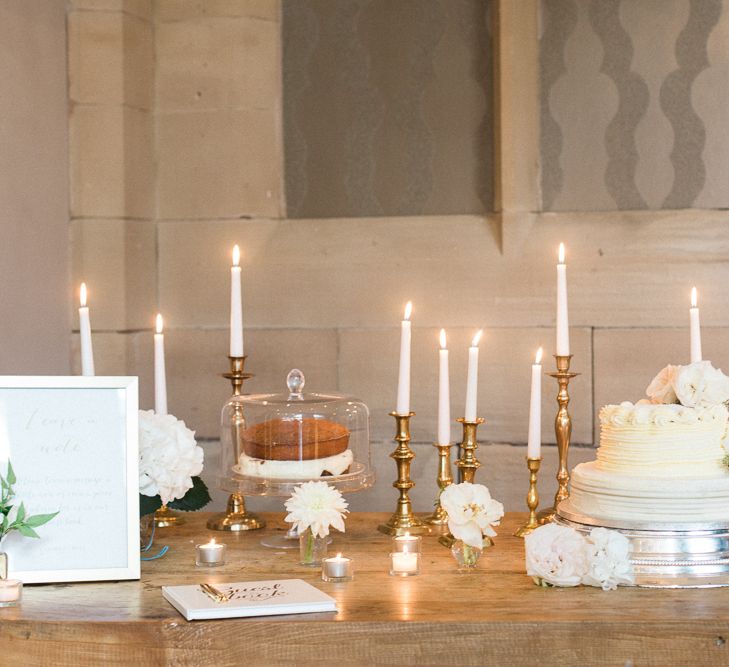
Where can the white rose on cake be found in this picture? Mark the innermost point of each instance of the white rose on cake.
(661, 390)
(700, 385)
(168, 456)
(556, 556)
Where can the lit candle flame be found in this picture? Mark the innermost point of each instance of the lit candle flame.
(339, 557)
(538, 358)
(212, 542)
(561, 253)
(443, 342)
(82, 295)
(694, 299)
(408, 310)
(236, 255)
(159, 325)
(477, 338)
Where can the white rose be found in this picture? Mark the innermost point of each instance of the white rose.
(472, 512)
(701, 385)
(609, 560)
(556, 555)
(661, 390)
(168, 456)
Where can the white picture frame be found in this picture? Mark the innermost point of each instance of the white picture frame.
(73, 443)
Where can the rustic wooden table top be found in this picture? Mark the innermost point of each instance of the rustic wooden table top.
(493, 616)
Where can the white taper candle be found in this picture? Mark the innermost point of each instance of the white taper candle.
(534, 442)
(695, 328)
(160, 378)
(563, 327)
(236, 307)
(403, 382)
(444, 395)
(472, 379)
(84, 326)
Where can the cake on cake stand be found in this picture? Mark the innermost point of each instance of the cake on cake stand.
(286, 439)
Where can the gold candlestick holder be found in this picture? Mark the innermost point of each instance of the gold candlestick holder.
(236, 518)
(532, 499)
(563, 433)
(467, 462)
(164, 517)
(403, 520)
(439, 517)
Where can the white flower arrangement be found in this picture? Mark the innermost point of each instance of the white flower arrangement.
(472, 512)
(696, 385)
(318, 506)
(560, 556)
(169, 457)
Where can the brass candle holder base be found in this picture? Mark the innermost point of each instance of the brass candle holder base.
(563, 433)
(236, 518)
(532, 499)
(439, 517)
(467, 462)
(403, 520)
(164, 517)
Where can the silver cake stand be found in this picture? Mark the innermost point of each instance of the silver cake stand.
(686, 555)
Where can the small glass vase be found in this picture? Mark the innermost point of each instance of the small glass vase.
(466, 556)
(312, 549)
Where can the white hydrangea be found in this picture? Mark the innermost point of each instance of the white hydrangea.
(168, 456)
(609, 560)
(556, 556)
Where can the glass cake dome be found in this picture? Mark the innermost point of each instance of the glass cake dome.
(272, 442)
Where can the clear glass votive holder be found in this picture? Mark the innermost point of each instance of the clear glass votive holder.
(211, 554)
(11, 592)
(404, 564)
(407, 543)
(337, 569)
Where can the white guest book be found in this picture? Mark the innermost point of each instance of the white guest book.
(249, 598)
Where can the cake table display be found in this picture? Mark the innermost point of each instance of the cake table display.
(293, 437)
(661, 478)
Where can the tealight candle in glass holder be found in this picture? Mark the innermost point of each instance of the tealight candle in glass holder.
(211, 554)
(11, 592)
(337, 569)
(407, 543)
(404, 564)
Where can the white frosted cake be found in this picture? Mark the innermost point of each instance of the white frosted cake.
(660, 462)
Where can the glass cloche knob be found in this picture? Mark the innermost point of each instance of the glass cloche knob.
(295, 381)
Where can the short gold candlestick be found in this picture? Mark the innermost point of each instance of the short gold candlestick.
(563, 433)
(467, 462)
(532, 499)
(403, 520)
(236, 518)
(164, 517)
(439, 517)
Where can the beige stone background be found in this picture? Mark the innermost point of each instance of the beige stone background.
(176, 152)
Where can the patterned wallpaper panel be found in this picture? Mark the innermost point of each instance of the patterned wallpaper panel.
(387, 107)
(634, 104)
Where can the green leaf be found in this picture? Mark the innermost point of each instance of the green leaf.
(39, 519)
(196, 498)
(11, 474)
(21, 514)
(27, 531)
(148, 504)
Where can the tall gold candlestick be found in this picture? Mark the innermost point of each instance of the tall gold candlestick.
(563, 433)
(403, 520)
(532, 499)
(467, 462)
(439, 517)
(236, 518)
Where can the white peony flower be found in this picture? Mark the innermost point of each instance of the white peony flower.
(661, 390)
(609, 560)
(700, 385)
(318, 506)
(168, 456)
(556, 556)
(472, 512)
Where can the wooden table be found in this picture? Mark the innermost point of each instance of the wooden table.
(494, 616)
